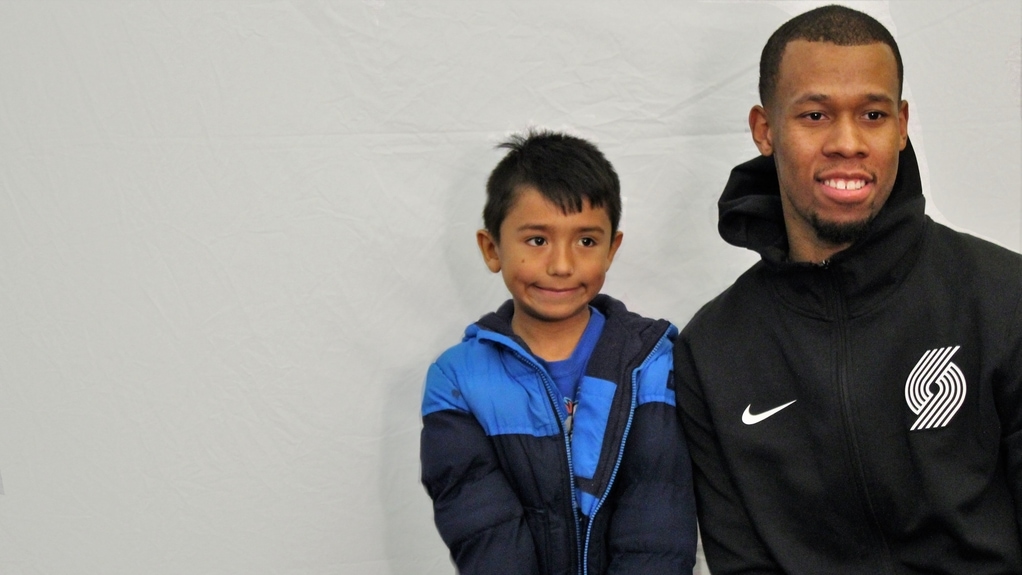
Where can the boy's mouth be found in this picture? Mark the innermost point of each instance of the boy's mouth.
(557, 291)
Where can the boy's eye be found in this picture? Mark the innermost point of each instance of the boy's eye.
(815, 116)
(587, 242)
(536, 242)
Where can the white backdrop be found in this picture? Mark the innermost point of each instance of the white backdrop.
(233, 234)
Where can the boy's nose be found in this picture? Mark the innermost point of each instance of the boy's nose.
(561, 261)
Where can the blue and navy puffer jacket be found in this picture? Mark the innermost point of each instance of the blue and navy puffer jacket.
(514, 493)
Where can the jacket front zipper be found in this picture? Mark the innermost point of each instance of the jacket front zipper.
(843, 358)
(620, 452)
(561, 416)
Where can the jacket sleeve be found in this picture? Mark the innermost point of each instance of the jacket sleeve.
(652, 529)
(477, 513)
(1009, 400)
(730, 541)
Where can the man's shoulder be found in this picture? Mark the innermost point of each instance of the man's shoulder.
(960, 240)
(718, 313)
(975, 258)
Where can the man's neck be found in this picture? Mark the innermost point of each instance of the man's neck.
(816, 255)
(811, 249)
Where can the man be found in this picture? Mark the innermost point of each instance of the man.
(853, 403)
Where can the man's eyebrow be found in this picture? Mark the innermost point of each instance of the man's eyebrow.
(883, 98)
(812, 98)
(822, 98)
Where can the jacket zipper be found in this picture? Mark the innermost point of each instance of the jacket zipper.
(846, 412)
(561, 416)
(621, 451)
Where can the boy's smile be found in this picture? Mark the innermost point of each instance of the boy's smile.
(553, 263)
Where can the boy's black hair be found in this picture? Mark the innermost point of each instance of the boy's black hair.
(835, 24)
(565, 169)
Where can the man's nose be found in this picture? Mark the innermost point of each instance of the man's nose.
(846, 138)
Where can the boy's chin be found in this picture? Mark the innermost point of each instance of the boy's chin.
(550, 315)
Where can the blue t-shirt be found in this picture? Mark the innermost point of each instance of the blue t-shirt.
(567, 373)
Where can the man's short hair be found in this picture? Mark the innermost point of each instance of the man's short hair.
(565, 169)
(835, 24)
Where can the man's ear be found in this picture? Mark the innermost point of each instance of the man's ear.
(903, 123)
(490, 250)
(759, 124)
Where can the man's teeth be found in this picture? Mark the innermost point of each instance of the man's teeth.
(845, 184)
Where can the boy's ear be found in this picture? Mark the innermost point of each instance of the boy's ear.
(614, 245)
(489, 249)
(759, 124)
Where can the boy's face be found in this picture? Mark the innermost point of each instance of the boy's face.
(553, 263)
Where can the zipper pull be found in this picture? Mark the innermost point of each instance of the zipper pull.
(569, 422)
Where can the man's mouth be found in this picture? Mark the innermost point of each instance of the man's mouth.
(839, 184)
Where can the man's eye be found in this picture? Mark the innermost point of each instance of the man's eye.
(587, 242)
(815, 116)
(536, 241)
(874, 115)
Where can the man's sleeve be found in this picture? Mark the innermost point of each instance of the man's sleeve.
(478, 515)
(653, 527)
(1009, 402)
(730, 541)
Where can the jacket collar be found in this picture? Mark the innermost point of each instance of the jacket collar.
(627, 336)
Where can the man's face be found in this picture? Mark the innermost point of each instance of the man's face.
(835, 127)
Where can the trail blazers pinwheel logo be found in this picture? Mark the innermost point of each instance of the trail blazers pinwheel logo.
(935, 389)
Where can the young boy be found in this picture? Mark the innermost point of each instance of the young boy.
(550, 443)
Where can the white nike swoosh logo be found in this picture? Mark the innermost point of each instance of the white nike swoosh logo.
(749, 419)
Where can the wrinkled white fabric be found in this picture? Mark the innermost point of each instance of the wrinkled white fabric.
(234, 234)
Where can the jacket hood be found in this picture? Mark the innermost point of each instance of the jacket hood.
(751, 215)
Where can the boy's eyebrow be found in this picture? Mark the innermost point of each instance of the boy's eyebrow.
(544, 227)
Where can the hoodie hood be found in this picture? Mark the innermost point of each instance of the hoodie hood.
(867, 272)
(751, 215)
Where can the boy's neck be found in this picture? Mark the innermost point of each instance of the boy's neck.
(550, 340)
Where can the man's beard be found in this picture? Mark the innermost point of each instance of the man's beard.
(840, 234)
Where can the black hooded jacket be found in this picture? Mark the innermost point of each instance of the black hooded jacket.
(863, 416)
